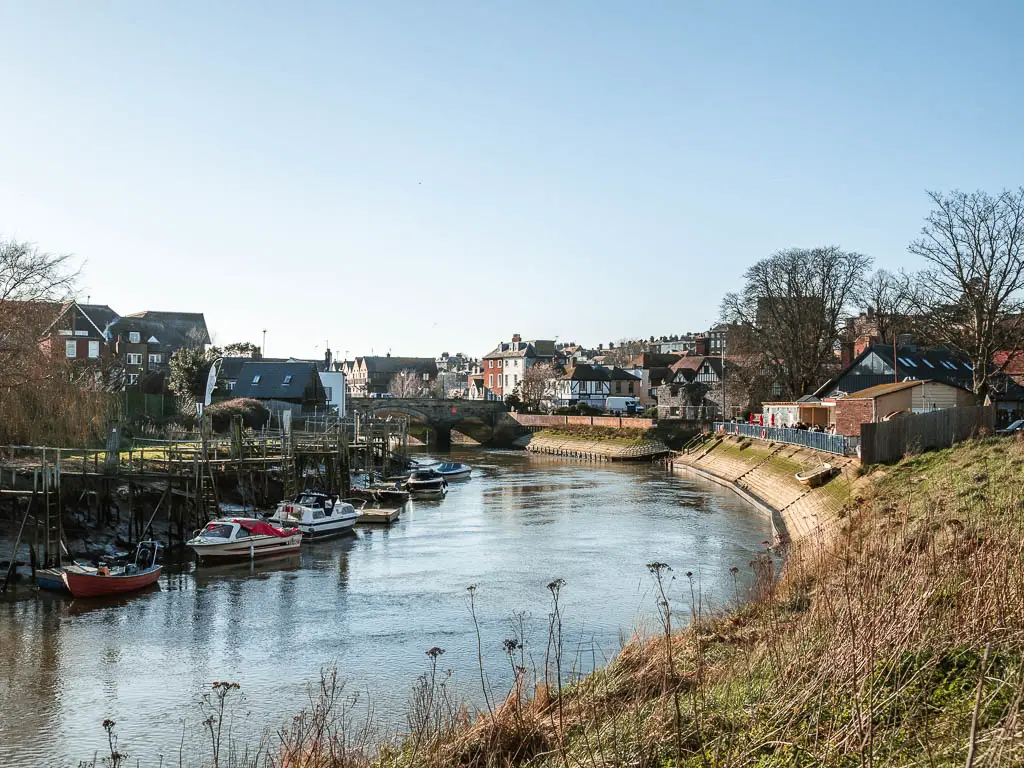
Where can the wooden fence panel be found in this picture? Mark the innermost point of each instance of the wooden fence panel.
(885, 442)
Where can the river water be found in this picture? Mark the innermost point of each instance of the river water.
(370, 605)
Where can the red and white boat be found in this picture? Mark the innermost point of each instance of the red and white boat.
(243, 539)
(95, 582)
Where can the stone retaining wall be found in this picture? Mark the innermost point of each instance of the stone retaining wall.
(764, 472)
(596, 450)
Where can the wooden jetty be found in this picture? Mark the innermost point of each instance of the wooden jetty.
(51, 492)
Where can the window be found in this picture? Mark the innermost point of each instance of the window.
(231, 384)
(287, 379)
(490, 363)
(256, 379)
(490, 379)
(929, 363)
(132, 378)
(500, 362)
(94, 350)
(499, 379)
(426, 377)
(81, 333)
(133, 337)
(156, 358)
(631, 387)
(64, 332)
(133, 358)
(70, 348)
(911, 363)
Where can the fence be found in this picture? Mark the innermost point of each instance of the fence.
(139, 404)
(534, 420)
(888, 441)
(839, 445)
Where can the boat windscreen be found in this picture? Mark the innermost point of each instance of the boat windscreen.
(218, 530)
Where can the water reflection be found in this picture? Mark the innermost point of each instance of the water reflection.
(371, 604)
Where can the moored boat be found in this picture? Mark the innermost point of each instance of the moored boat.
(426, 484)
(815, 476)
(453, 470)
(386, 494)
(241, 538)
(82, 582)
(316, 514)
(52, 578)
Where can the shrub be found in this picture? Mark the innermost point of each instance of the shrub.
(254, 413)
(580, 409)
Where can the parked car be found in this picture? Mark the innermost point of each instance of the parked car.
(1017, 426)
(621, 405)
(381, 396)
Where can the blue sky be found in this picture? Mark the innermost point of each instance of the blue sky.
(427, 177)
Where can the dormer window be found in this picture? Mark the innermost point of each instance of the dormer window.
(256, 379)
(287, 379)
(133, 337)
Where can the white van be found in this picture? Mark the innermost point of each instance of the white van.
(623, 405)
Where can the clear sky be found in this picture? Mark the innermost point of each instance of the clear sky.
(428, 177)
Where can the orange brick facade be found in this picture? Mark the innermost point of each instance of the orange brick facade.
(850, 414)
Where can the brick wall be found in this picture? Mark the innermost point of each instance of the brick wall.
(533, 420)
(850, 414)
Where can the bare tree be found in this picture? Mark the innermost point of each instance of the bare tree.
(624, 351)
(537, 385)
(789, 312)
(969, 298)
(889, 299)
(33, 283)
(406, 384)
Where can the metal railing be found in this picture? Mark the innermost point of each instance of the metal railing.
(840, 445)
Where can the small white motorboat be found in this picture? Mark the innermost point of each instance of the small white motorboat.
(453, 470)
(815, 476)
(426, 484)
(242, 538)
(316, 514)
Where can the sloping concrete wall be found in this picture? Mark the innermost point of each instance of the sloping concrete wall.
(764, 473)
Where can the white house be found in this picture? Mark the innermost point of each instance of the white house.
(334, 386)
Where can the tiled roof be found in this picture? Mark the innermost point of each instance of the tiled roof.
(880, 390)
(271, 384)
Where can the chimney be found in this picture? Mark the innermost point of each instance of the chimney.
(701, 346)
(845, 353)
(327, 359)
(516, 338)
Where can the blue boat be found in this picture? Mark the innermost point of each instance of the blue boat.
(453, 470)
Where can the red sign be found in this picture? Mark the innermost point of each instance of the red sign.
(454, 409)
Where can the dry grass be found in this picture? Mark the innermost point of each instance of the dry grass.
(900, 644)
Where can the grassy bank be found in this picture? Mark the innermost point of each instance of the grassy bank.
(898, 643)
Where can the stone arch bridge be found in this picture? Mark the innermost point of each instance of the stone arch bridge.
(480, 419)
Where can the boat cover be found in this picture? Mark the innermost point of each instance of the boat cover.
(265, 529)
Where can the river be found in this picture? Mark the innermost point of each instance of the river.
(371, 605)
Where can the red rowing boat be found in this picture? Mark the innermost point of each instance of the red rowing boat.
(105, 581)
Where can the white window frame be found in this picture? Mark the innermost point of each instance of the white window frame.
(134, 337)
(133, 358)
(94, 350)
(156, 357)
(71, 349)
(81, 333)
(64, 332)
(132, 378)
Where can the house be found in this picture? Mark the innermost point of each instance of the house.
(78, 331)
(882, 364)
(592, 385)
(145, 342)
(334, 390)
(373, 375)
(505, 366)
(654, 370)
(884, 400)
(294, 386)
